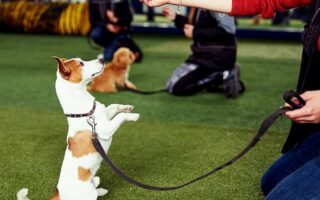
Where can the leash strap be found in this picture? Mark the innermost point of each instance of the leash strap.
(263, 128)
(145, 92)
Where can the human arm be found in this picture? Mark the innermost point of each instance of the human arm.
(266, 8)
(179, 20)
(122, 14)
(95, 18)
(113, 28)
(188, 30)
(122, 20)
(310, 113)
(215, 5)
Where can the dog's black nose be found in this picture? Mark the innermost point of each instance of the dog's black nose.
(101, 60)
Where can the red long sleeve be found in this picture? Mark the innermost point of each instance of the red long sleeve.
(266, 8)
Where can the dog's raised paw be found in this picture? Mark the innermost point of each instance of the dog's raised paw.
(102, 192)
(125, 108)
(133, 117)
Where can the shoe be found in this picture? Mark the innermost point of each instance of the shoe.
(217, 85)
(232, 85)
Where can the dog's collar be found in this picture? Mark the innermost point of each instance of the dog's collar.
(84, 114)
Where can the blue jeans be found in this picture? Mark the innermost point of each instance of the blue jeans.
(296, 174)
(109, 41)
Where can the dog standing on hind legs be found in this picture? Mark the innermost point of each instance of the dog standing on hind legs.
(77, 179)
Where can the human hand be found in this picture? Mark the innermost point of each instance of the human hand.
(310, 113)
(188, 30)
(110, 15)
(169, 13)
(155, 3)
(113, 28)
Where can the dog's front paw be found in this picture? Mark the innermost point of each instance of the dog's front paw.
(133, 117)
(125, 108)
(102, 192)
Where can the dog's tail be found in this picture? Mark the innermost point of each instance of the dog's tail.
(22, 194)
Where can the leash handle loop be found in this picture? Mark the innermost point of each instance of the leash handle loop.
(294, 99)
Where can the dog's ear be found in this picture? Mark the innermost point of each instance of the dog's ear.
(132, 57)
(116, 58)
(63, 69)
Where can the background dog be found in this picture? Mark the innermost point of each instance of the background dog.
(115, 74)
(77, 179)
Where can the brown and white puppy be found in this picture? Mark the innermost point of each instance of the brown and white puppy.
(115, 74)
(77, 179)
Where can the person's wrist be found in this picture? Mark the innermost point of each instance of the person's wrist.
(174, 2)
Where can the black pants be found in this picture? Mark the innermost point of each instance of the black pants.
(191, 78)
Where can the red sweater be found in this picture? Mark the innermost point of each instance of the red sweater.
(266, 8)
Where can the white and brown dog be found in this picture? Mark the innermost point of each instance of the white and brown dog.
(81, 161)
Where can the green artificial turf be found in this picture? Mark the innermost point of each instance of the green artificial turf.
(175, 139)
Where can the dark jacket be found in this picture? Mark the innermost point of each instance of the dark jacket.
(309, 77)
(214, 43)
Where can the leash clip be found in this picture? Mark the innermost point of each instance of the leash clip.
(294, 99)
(91, 121)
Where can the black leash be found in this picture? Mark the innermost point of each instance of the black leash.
(145, 92)
(291, 97)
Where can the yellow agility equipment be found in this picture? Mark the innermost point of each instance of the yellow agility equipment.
(57, 18)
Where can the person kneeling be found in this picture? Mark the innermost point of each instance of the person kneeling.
(212, 64)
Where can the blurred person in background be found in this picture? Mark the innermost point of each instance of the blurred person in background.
(212, 64)
(111, 26)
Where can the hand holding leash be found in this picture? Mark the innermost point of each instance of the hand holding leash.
(293, 99)
(310, 112)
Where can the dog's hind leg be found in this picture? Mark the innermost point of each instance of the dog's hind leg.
(102, 191)
(22, 194)
(96, 181)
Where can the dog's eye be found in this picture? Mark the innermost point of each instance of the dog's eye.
(81, 63)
